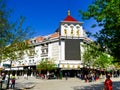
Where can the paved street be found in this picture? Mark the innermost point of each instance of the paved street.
(70, 84)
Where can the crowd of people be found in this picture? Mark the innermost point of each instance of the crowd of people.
(94, 75)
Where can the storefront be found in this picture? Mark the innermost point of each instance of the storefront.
(71, 69)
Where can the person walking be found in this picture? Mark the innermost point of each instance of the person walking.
(86, 78)
(3, 76)
(13, 81)
(66, 76)
(108, 83)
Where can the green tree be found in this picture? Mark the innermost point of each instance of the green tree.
(104, 61)
(90, 53)
(107, 15)
(13, 37)
(95, 57)
(46, 65)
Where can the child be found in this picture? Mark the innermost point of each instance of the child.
(108, 83)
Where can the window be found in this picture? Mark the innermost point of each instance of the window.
(65, 31)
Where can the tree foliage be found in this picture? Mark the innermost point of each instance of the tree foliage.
(46, 65)
(95, 57)
(90, 53)
(103, 61)
(13, 36)
(107, 15)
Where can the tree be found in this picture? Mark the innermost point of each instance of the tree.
(107, 15)
(104, 61)
(90, 53)
(13, 37)
(95, 57)
(46, 65)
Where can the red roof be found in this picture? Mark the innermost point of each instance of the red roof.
(69, 18)
(56, 34)
(39, 39)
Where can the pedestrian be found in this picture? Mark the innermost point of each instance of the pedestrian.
(86, 78)
(13, 81)
(108, 83)
(3, 76)
(37, 76)
(6, 79)
(25, 76)
(66, 76)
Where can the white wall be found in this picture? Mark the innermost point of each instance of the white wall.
(62, 50)
(54, 51)
(38, 52)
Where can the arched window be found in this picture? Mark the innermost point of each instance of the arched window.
(71, 30)
(65, 31)
(78, 30)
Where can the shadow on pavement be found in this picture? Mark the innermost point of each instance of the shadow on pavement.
(116, 86)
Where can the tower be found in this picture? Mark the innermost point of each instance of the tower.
(71, 37)
(70, 27)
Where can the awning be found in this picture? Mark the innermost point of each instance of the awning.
(14, 68)
(6, 65)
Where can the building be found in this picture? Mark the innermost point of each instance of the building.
(64, 46)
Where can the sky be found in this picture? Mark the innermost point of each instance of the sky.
(44, 16)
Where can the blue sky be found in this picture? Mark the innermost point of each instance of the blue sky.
(44, 16)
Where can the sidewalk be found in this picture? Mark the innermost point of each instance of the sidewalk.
(74, 84)
(56, 84)
(23, 84)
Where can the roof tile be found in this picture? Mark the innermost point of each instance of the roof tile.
(39, 39)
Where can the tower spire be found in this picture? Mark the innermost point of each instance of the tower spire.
(68, 12)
